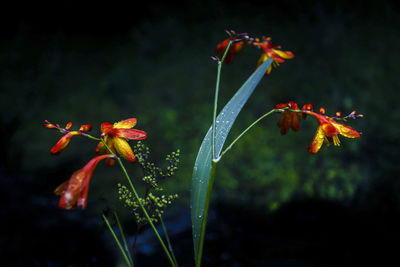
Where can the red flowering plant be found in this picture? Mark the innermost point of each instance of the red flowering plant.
(211, 150)
(113, 146)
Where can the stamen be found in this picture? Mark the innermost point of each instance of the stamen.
(336, 140)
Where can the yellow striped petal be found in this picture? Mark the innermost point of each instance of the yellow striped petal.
(122, 147)
(125, 124)
(317, 141)
(284, 54)
(346, 130)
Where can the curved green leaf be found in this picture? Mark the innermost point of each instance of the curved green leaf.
(202, 166)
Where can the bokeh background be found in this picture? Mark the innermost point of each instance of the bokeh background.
(273, 203)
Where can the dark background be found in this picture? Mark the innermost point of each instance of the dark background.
(273, 203)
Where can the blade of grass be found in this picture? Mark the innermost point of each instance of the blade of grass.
(123, 237)
(168, 241)
(116, 240)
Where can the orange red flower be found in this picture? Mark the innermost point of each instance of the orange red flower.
(233, 49)
(74, 192)
(64, 141)
(328, 131)
(289, 118)
(270, 51)
(116, 137)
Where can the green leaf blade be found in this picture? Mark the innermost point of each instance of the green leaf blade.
(202, 166)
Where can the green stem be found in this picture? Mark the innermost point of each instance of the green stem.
(216, 99)
(145, 211)
(123, 237)
(140, 203)
(168, 240)
(214, 159)
(116, 240)
(214, 163)
(246, 130)
(204, 222)
(91, 137)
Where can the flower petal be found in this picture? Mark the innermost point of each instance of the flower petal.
(285, 122)
(71, 190)
(222, 46)
(233, 50)
(85, 127)
(100, 148)
(284, 54)
(74, 191)
(63, 143)
(122, 147)
(125, 124)
(294, 121)
(106, 127)
(262, 59)
(317, 141)
(329, 129)
(131, 134)
(346, 130)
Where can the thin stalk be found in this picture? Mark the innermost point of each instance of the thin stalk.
(246, 130)
(123, 237)
(214, 160)
(91, 137)
(204, 222)
(117, 241)
(168, 241)
(140, 203)
(145, 211)
(216, 98)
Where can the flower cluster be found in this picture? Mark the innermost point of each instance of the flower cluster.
(64, 141)
(328, 127)
(113, 142)
(236, 42)
(155, 205)
(153, 175)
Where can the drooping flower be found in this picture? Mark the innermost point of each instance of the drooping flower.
(64, 141)
(233, 49)
(74, 192)
(270, 51)
(289, 118)
(328, 131)
(116, 136)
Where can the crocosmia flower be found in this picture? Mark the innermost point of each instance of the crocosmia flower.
(74, 192)
(64, 141)
(270, 51)
(233, 49)
(289, 118)
(116, 137)
(328, 131)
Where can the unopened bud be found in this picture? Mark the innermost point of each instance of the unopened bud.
(85, 127)
(215, 58)
(68, 126)
(49, 125)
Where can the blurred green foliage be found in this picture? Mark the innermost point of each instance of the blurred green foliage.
(161, 73)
